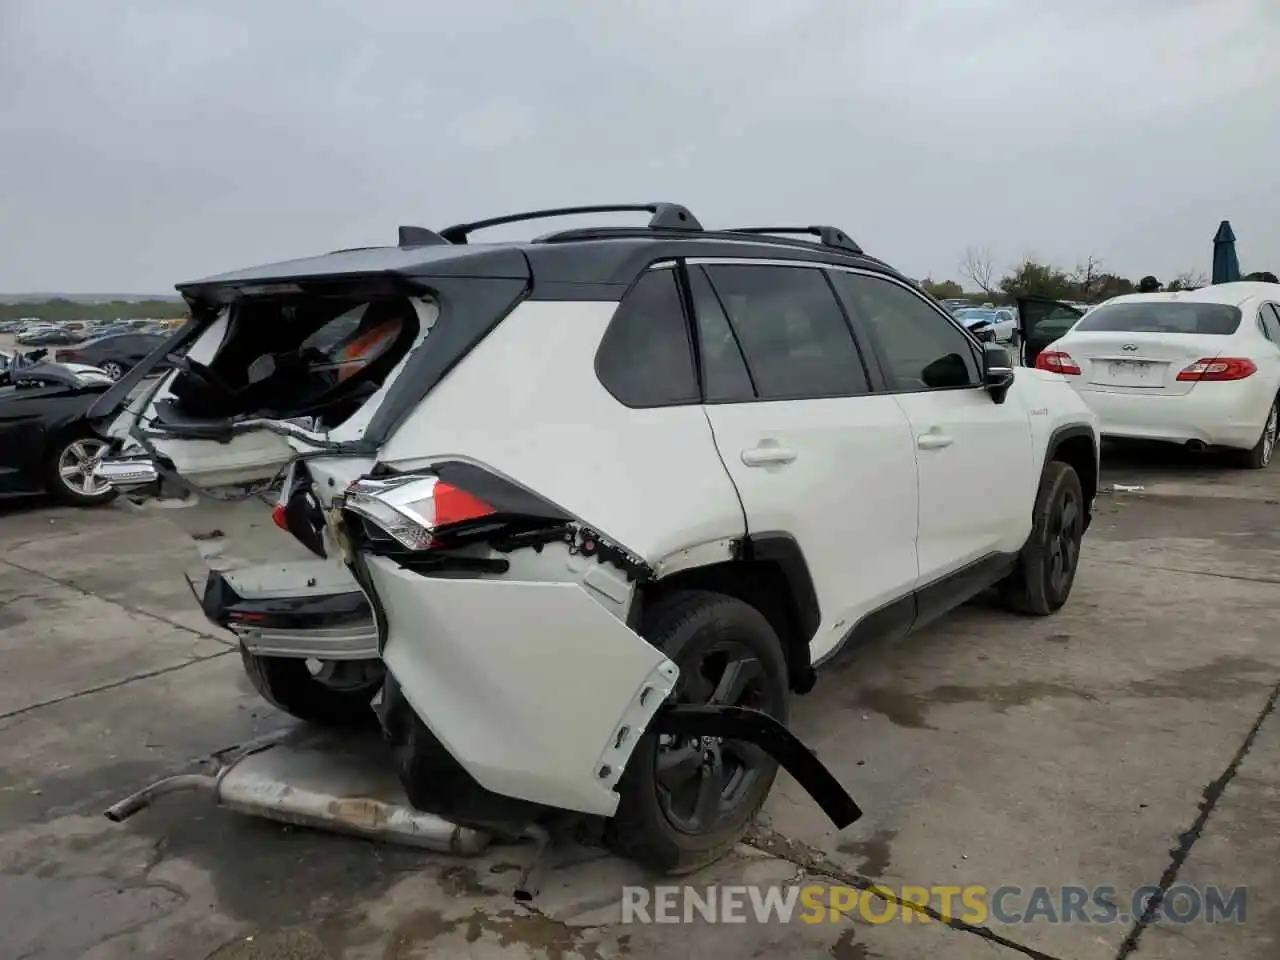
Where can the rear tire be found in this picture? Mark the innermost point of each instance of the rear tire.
(1260, 455)
(112, 369)
(703, 801)
(289, 685)
(1047, 563)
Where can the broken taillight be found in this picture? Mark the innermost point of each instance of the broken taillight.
(414, 508)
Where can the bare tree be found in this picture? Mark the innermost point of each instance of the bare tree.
(1089, 277)
(1188, 280)
(979, 267)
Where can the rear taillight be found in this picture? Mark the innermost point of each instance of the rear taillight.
(279, 516)
(415, 509)
(1056, 361)
(1218, 368)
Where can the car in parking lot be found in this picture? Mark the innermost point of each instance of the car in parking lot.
(989, 323)
(46, 442)
(1199, 368)
(114, 353)
(612, 496)
(43, 335)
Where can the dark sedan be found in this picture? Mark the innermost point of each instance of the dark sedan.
(114, 353)
(46, 445)
(47, 337)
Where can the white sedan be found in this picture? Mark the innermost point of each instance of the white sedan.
(1199, 367)
(999, 320)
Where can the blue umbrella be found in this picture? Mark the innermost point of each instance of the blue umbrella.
(1226, 266)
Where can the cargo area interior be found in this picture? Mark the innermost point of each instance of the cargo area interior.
(294, 358)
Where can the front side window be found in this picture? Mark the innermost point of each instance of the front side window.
(645, 359)
(921, 349)
(790, 326)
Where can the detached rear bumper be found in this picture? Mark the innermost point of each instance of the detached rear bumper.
(541, 694)
(536, 689)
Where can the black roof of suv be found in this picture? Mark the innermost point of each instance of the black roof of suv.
(595, 263)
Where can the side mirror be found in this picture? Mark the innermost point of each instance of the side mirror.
(997, 371)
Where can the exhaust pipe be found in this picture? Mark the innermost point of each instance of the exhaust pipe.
(1196, 446)
(326, 790)
(126, 808)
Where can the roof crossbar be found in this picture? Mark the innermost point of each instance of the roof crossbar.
(827, 236)
(666, 216)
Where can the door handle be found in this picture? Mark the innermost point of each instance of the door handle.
(933, 440)
(767, 454)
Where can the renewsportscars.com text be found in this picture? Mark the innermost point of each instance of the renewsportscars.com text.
(973, 904)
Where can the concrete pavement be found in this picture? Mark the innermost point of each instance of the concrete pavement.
(1130, 740)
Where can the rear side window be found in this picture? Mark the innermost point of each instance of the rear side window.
(1162, 316)
(724, 372)
(645, 359)
(792, 330)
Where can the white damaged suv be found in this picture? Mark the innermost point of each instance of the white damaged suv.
(610, 497)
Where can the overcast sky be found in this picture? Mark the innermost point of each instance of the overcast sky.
(146, 142)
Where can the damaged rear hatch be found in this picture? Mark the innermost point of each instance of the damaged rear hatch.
(286, 381)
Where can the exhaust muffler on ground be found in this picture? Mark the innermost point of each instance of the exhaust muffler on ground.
(335, 786)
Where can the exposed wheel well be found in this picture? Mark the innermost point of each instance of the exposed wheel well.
(1079, 453)
(763, 584)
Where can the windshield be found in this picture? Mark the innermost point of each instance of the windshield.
(976, 313)
(1161, 316)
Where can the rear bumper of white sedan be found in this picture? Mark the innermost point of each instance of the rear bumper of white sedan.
(1213, 414)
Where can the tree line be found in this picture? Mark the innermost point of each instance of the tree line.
(1087, 282)
(59, 310)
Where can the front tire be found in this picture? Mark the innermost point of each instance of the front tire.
(1260, 455)
(340, 694)
(683, 805)
(113, 370)
(69, 471)
(1046, 570)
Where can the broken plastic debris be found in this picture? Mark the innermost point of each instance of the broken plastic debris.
(1127, 487)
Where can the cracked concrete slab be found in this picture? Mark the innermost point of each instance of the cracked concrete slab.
(80, 755)
(74, 640)
(1070, 750)
(114, 554)
(1244, 818)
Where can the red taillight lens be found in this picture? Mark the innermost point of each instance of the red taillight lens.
(414, 509)
(1218, 368)
(455, 505)
(1056, 361)
(278, 516)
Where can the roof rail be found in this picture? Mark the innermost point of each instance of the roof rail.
(666, 216)
(419, 237)
(827, 236)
